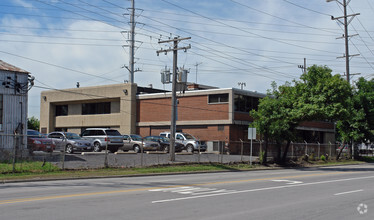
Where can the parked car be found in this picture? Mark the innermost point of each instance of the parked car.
(134, 142)
(365, 148)
(37, 142)
(345, 149)
(190, 142)
(165, 143)
(69, 142)
(101, 138)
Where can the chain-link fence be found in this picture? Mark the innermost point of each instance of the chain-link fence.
(295, 150)
(19, 150)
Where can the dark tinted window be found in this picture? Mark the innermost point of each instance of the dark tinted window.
(112, 133)
(218, 98)
(34, 134)
(96, 108)
(87, 133)
(244, 103)
(61, 110)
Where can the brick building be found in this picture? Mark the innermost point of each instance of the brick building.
(208, 113)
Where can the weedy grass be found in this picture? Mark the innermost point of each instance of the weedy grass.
(31, 170)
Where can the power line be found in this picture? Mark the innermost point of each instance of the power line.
(58, 66)
(318, 12)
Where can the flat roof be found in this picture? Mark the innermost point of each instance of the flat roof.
(204, 92)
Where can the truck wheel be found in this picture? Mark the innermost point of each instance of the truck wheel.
(189, 148)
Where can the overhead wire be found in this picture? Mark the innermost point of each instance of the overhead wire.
(58, 66)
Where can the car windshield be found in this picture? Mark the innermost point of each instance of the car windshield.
(136, 137)
(188, 136)
(34, 134)
(72, 136)
(112, 133)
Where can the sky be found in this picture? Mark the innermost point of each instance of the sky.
(256, 42)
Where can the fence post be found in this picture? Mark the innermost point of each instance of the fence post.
(106, 153)
(241, 155)
(220, 143)
(142, 150)
(198, 160)
(292, 150)
(306, 147)
(330, 148)
(14, 152)
(63, 152)
(319, 148)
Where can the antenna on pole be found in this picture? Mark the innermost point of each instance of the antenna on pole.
(196, 65)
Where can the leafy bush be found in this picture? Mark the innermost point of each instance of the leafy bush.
(323, 158)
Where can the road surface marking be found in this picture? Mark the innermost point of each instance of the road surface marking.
(342, 193)
(262, 189)
(10, 201)
(192, 190)
(288, 181)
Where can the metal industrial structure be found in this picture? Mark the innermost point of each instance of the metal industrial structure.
(14, 86)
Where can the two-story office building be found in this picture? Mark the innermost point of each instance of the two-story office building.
(208, 113)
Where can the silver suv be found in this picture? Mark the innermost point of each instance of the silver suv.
(103, 137)
(190, 142)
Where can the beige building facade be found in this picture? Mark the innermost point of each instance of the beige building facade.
(109, 106)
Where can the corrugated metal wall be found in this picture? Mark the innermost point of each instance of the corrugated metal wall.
(14, 108)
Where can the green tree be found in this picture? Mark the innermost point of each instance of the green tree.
(33, 123)
(359, 125)
(276, 118)
(318, 95)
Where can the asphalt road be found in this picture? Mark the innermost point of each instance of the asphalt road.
(343, 192)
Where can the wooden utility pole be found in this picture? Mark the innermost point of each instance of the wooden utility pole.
(346, 37)
(175, 49)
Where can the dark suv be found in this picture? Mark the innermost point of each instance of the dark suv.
(102, 137)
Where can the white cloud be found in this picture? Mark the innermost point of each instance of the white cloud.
(23, 3)
(257, 51)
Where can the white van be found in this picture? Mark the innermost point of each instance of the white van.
(190, 142)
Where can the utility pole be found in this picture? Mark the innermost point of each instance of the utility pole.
(175, 49)
(303, 67)
(132, 42)
(345, 23)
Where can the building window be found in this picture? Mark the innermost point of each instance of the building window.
(243, 103)
(1, 111)
(96, 108)
(61, 110)
(218, 98)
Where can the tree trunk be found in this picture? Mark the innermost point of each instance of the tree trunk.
(340, 152)
(264, 161)
(279, 151)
